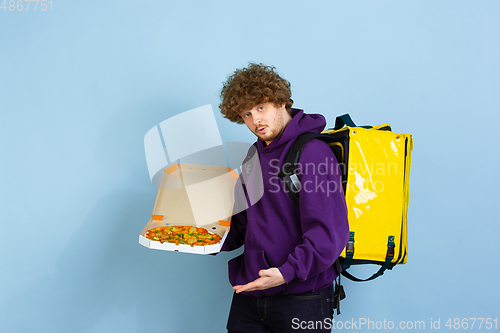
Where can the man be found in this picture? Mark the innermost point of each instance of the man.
(283, 280)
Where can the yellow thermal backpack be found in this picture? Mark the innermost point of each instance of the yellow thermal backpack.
(375, 165)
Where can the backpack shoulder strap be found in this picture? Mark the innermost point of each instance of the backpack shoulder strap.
(288, 172)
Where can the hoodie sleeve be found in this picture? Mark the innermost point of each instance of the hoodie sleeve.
(323, 214)
(236, 236)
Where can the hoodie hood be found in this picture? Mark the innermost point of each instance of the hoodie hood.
(300, 123)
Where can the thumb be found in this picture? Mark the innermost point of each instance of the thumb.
(263, 272)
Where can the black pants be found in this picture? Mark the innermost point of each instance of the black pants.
(305, 312)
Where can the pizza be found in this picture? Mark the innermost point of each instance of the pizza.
(183, 235)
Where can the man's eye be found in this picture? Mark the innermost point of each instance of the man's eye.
(261, 108)
(246, 115)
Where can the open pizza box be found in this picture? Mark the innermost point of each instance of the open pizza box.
(193, 171)
(193, 195)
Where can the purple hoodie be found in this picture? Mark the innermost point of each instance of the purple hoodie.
(302, 241)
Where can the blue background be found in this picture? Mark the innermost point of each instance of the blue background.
(82, 84)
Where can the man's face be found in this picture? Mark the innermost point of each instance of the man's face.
(266, 120)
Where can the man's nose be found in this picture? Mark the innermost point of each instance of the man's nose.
(256, 118)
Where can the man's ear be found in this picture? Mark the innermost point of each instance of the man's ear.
(283, 105)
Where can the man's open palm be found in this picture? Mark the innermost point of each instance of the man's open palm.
(268, 278)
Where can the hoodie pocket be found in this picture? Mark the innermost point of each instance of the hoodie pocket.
(245, 268)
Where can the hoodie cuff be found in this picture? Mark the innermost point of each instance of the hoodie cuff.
(288, 272)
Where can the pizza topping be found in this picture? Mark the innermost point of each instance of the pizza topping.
(183, 235)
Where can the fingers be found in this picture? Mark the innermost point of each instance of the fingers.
(247, 287)
(268, 278)
(259, 284)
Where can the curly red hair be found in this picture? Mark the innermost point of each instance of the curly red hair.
(251, 86)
